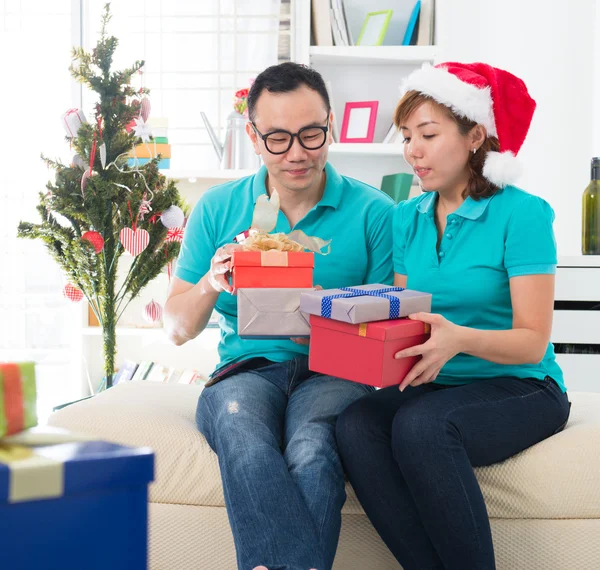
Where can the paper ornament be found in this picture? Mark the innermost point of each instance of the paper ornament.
(134, 241)
(153, 312)
(72, 293)
(103, 155)
(145, 109)
(95, 239)
(172, 217)
(84, 181)
(78, 162)
(174, 234)
(72, 120)
(145, 208)
(142, 130)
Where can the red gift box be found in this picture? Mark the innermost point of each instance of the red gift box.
(365, 352)
(273, 269)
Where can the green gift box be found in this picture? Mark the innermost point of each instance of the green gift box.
(397, 186)
(17, 397)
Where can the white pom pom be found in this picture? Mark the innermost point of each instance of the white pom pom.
(172, 217)
(502, 168)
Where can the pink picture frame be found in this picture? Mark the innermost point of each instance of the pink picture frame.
(358, 125)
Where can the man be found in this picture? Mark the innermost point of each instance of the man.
(270, 420)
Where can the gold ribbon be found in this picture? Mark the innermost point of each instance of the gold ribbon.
(362, 329)
(273, 258)
(31, 474)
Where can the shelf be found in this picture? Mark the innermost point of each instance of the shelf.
(377, 149)
(194, 175)
(135, 331)
(579, 261)
(355, 55)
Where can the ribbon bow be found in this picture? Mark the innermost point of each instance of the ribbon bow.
(327, 301)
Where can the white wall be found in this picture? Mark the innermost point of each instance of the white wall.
(551, 47)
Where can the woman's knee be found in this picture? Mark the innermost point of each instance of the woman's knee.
(359, 422)
(421, 425)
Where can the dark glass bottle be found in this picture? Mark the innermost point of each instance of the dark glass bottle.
(590, 230)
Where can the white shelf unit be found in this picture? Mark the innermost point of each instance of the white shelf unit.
(577, 319)
(357, 55)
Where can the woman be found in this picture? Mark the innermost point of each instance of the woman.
(487, 385)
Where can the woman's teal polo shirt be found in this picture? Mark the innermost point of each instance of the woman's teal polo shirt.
(485, 243)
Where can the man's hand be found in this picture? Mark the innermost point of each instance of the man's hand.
(220, 267)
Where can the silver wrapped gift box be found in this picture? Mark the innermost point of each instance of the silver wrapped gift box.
(365, 303)
(271, 313)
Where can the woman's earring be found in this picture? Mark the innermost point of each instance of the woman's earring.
(474, 150)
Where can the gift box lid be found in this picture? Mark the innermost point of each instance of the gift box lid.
(44, 463)
(273, 258)
(365, 303)
(379, 330)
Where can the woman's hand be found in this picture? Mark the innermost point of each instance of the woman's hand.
(443, 344)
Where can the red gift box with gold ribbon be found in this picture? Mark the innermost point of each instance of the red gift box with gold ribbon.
(364, 352)
(272, 269)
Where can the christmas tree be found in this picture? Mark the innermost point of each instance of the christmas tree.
(99, 208)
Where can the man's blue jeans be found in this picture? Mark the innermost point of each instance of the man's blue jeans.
(410, 458)
(273, 429)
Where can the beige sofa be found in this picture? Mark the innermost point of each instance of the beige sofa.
(544, 503)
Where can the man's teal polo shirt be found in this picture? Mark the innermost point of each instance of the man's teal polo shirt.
(485, 243)
(355, 216)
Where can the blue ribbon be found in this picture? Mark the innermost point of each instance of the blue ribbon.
(327, 301)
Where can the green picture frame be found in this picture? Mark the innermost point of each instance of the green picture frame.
(374, 29)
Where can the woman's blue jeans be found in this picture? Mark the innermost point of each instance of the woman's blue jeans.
(410, 457)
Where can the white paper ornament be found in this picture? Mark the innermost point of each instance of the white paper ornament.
(142, 130)
(153, 312)
(72, 120)
(78, 162)
(84, 181)
(172, 217)
(103, 155)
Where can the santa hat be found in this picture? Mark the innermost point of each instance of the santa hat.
(492, 97)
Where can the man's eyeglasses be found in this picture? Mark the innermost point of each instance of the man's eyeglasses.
(279, 141)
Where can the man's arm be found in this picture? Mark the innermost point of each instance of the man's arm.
(188, 307)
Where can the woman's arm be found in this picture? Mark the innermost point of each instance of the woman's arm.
(532, 298)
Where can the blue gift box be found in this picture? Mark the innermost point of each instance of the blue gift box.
(73, 505)
(163, 163)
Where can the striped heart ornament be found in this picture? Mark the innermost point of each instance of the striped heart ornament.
(134, 241)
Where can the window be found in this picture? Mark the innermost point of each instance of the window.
(197, 54)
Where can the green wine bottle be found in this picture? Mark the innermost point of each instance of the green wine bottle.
(590, 231)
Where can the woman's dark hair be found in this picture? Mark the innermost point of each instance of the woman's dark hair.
(283, 78)
(478, 186)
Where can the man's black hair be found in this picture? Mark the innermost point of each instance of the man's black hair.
(284, 78)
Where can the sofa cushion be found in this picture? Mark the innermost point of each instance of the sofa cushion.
(558, 478)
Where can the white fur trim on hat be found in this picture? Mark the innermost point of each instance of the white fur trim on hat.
(501, 168)
(464, 99)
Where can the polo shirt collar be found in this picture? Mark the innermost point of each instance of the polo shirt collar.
(470, 208)
(331, 196)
